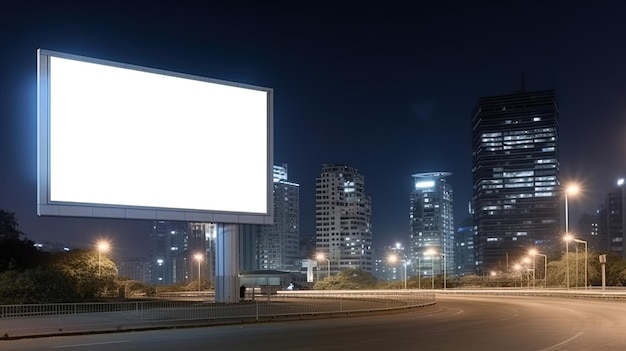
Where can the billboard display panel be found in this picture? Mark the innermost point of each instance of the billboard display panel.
(124, 141)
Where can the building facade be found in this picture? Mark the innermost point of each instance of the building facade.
(180, 252)
(343, 215)
(431, 224)
(279, 243)
(612, 220)
(515, 168)
(588, 229)
(465, 263)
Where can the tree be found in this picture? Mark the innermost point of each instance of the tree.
(36, 285)
(349, 279)
(16, 251)
(91, 276)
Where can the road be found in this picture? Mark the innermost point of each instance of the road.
(455, 323)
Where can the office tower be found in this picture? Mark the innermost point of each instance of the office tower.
(587, 229)
(390, 263)
(175, 251)
(465, 263)
(168, 242)
(343, 215)
(515, 168)
(202, 246)
(136, 269)
(431, 223)
(279, 243)
(250, 247)
(612, 220)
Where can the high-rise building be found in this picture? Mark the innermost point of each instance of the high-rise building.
(343, 215)
(168, 262)
(431, 223)
(588, 229)
(612, 220)
(390, 263)
(465, 263)
(279, 243)
(178, 248)
(515, 167)
(136, 269)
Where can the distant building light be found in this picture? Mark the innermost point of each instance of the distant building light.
(620, 182)
(425, 184)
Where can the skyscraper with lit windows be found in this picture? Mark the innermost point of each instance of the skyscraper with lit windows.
(515, 168)
(343, 215)
(431, 224)
(279, 243)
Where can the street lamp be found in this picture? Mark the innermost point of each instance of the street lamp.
(103, 246)
(198, 258)
(432, 252)
(321, 257)
(526, 261)
(567, 237)
(394, 259)
(419, 273)
(586, 254)
(573, 190)
(518, 267)
(534, 253)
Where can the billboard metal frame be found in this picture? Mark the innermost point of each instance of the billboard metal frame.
(46, 207)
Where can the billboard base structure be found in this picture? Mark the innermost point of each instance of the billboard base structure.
(227, 263)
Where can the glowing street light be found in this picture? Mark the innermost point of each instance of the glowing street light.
(567, 237)
(393, 259)
(432, 252)
(518, 267)
(586, 254)
(321, 257)
(419, 273)
(534, 253)
(198, 257)
(526, 261)
(103, 246)
(572, 189)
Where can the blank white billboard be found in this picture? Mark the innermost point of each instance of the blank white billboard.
(123, 141)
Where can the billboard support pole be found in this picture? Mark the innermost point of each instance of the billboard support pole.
(227, 263)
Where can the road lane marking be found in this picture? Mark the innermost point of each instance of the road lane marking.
(556, 346)
(91, 344)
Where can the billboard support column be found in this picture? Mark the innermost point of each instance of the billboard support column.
(227, 263)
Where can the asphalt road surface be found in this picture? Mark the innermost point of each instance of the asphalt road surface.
(455, 323)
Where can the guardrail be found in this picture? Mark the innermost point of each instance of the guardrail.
(580, 293)
(70, 318)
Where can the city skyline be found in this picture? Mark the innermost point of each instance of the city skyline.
(386, 90)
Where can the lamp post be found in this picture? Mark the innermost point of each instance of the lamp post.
(321, 257)
(103, 246)
(533, 252)
(586, 254)
(518, 267)
(393, 259)
(431, 252)
(572, 189)
(419, 273)
(198, 258)
(445, 284)
(567, 238)
(526, 261)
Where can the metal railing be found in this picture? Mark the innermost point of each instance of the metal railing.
(64, 318)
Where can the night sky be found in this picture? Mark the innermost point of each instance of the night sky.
(387, 89)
